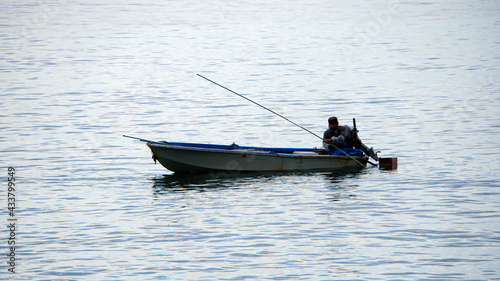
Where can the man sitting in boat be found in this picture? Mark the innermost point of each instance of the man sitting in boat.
(345, 138)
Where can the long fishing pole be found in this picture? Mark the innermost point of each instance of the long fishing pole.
(312, 133)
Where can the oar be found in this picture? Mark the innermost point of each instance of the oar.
(279, 116)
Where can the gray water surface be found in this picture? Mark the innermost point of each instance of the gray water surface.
(421, 79)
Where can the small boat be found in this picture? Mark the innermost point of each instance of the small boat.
(198, 158)
(194, 157)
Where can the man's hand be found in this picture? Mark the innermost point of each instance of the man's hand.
(338, 139)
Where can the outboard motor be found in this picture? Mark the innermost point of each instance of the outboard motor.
(356, 142)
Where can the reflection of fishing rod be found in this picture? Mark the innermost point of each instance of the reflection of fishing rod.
(279, 116)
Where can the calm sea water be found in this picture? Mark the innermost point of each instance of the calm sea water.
(421, 79)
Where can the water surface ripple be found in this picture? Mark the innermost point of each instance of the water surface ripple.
(421, 79)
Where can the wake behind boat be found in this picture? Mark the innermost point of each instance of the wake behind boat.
(198, 158)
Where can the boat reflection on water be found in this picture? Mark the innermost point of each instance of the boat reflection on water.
(340, 186)
(198, 182)
(178, 183)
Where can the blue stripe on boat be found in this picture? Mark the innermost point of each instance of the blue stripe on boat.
(234, 146)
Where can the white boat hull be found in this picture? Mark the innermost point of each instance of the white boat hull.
(181, 159)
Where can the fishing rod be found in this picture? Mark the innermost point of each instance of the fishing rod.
(272, 111)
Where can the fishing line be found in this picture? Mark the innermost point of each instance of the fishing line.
(281, 116)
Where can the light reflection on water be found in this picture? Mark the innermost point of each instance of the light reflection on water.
(421, 79)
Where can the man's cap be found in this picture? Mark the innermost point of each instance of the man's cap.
(333, 120)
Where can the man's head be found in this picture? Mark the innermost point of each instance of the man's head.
(333, 123)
